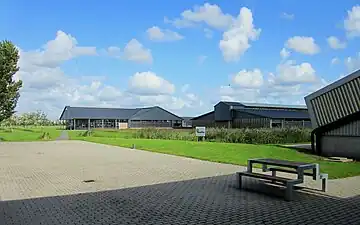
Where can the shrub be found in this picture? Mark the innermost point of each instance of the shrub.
(45, 136)
(245, 135)
(86, 133)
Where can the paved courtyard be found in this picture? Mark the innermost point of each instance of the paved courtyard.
(43, 183)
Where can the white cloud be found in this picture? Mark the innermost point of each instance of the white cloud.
(236, 40)
(304, 45)
(287, 16)
(335, 43)
(148, 83)
(248, 79)
(335, 60)
(179, 23)
(135, 51)
(284, 53)
(353, 63)
(64, 47)
(352, 22)
(209, 14)
(46, 87)
(208, 33)
(291, 73)
(156, 34)
(202, 59)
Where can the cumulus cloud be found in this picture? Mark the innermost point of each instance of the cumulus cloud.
(284, 53)
(46, 87)
(135, 51)
(352, 22)
(64, 47)
(335, 43)
(148, 83)
(156, 34)
(209, 14)
(236, 40)
(291, 73)
(304, 45)
(248, 79)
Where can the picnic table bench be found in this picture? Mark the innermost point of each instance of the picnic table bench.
(285, 166)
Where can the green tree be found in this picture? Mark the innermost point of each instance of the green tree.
(9, 88)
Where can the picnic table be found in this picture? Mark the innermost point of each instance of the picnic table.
(276, 165)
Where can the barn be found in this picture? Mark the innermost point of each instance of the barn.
(335, 116)
(254, 115)
(79, 118)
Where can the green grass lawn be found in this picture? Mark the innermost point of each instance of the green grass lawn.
(237, 154)
(28, 134)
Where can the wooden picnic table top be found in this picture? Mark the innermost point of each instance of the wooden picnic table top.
(280, 162)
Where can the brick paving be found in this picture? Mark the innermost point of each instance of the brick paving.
(41, 183)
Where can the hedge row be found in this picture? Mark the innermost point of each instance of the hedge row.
(250, 136)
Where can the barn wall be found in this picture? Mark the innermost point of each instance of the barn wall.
(222, 112)
(341, 146)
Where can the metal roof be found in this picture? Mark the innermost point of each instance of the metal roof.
(335, 101)
(265, 105)
(151, 113)
(154, 113)
(277, 114)
(205, 114)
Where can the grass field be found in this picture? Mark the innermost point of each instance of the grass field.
(230, 153)
(29, 134)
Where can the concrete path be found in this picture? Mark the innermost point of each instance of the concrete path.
(42, 183)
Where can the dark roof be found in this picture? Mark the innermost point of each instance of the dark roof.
(154, 113)
(208, 113)
(151, 113)
(264, 105)
(277, 114)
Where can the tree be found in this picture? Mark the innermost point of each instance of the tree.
(9, 88)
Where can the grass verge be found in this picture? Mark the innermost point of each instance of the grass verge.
(230, 153)
(29, 134)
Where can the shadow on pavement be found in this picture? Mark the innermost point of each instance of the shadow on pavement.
(213, 200)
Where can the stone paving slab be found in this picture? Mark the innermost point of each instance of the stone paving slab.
(41, 183)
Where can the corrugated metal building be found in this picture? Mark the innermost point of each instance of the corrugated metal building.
(254, 115)
(335, 116)
(89, 117)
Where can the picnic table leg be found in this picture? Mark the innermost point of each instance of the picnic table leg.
(249, 166)
(239, 177)
(273, 173)
(289, 192)
(316, 172)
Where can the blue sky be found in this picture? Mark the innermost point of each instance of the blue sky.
(182, 55)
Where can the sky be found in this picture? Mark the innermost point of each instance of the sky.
(184, 56)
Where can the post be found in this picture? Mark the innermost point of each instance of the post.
(102, 123)
(249, 166)
(270, 123)
(74, 127)
(88, 124)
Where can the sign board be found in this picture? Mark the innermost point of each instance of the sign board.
(200, 131)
